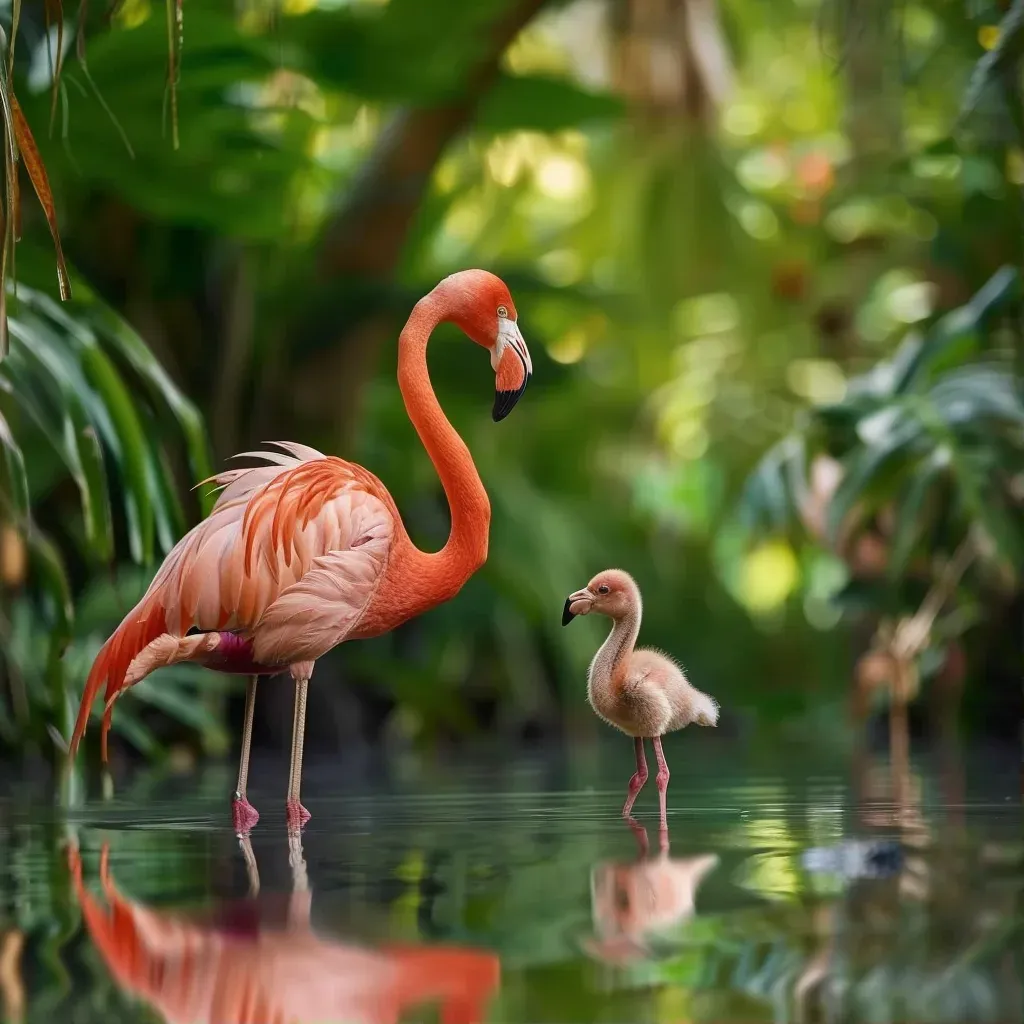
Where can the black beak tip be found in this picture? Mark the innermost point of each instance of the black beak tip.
(567, 616)
(505, 401)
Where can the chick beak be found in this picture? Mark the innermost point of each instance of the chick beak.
(582, 599)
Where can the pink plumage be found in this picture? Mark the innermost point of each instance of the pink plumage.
(644, 693)
(306, 550)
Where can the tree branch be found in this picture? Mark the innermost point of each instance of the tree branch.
(364, 241)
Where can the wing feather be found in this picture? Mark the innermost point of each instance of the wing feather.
(320, 609)
(271, 526)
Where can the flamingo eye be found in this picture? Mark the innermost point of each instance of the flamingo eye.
(503, 312)
(603, 589)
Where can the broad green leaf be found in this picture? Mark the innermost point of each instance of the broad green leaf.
(134, 462)
(532, 102)
(100, 323)
(169, 517)
(238, 156)
(78, 442)
(992, 64)
(909, 509)
(905, 362)
(978, 392)
(863, 468)
(369, 51)
(764, 499)
(119, 336)
(985, 506)
(956, 336)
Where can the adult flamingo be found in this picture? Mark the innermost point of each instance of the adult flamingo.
(248, 963)
(308, 551)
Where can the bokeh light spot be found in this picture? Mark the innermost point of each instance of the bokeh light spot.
(769, 575)
(818, 380)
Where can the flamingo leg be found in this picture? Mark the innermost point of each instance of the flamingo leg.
(300, 900)
(661, 779)
(641, 838)
(637, 782)
(243, 812)
(252, 870)
(297, 814)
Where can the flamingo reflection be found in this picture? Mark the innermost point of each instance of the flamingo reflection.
(238, 969)
(632, 902)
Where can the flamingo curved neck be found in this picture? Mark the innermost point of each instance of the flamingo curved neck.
(608, 668)
(442, 574)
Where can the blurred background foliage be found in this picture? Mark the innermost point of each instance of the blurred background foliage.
(730, 228)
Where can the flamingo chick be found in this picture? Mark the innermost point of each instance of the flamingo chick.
(642, 692)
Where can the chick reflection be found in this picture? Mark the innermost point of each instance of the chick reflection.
(237, 969)
(632, 902)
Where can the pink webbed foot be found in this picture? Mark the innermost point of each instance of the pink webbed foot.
(244, 814)
(297, 814)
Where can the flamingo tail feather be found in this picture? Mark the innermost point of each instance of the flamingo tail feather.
(139, 629)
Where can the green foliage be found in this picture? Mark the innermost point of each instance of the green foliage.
(184, 696)
(83, 396)
(934, 435)
(691, 272)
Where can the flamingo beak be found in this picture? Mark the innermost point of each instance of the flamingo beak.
(513, 368)
(579, 603)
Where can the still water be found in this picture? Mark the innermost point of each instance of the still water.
(794, 887)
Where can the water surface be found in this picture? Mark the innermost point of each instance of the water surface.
(794, 888)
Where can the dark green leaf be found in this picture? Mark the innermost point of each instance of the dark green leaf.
(909, 508)
(956, 336)
(116, 333)
(15, 471)
(978, 392)
(765, 500)
(864, 467)
(76, 440)
(985, 507)
(133, 456)
(532, 102)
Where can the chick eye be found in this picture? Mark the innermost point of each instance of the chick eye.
(603, 589)
(503, 311)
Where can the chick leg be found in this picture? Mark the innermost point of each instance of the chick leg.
(662, 782)
(637, 782)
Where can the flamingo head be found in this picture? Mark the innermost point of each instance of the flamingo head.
(479, 304)
(613, 593)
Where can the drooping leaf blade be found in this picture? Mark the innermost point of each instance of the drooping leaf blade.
(40, 182)
(134, 460)
(77, 442)
(14, 462)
